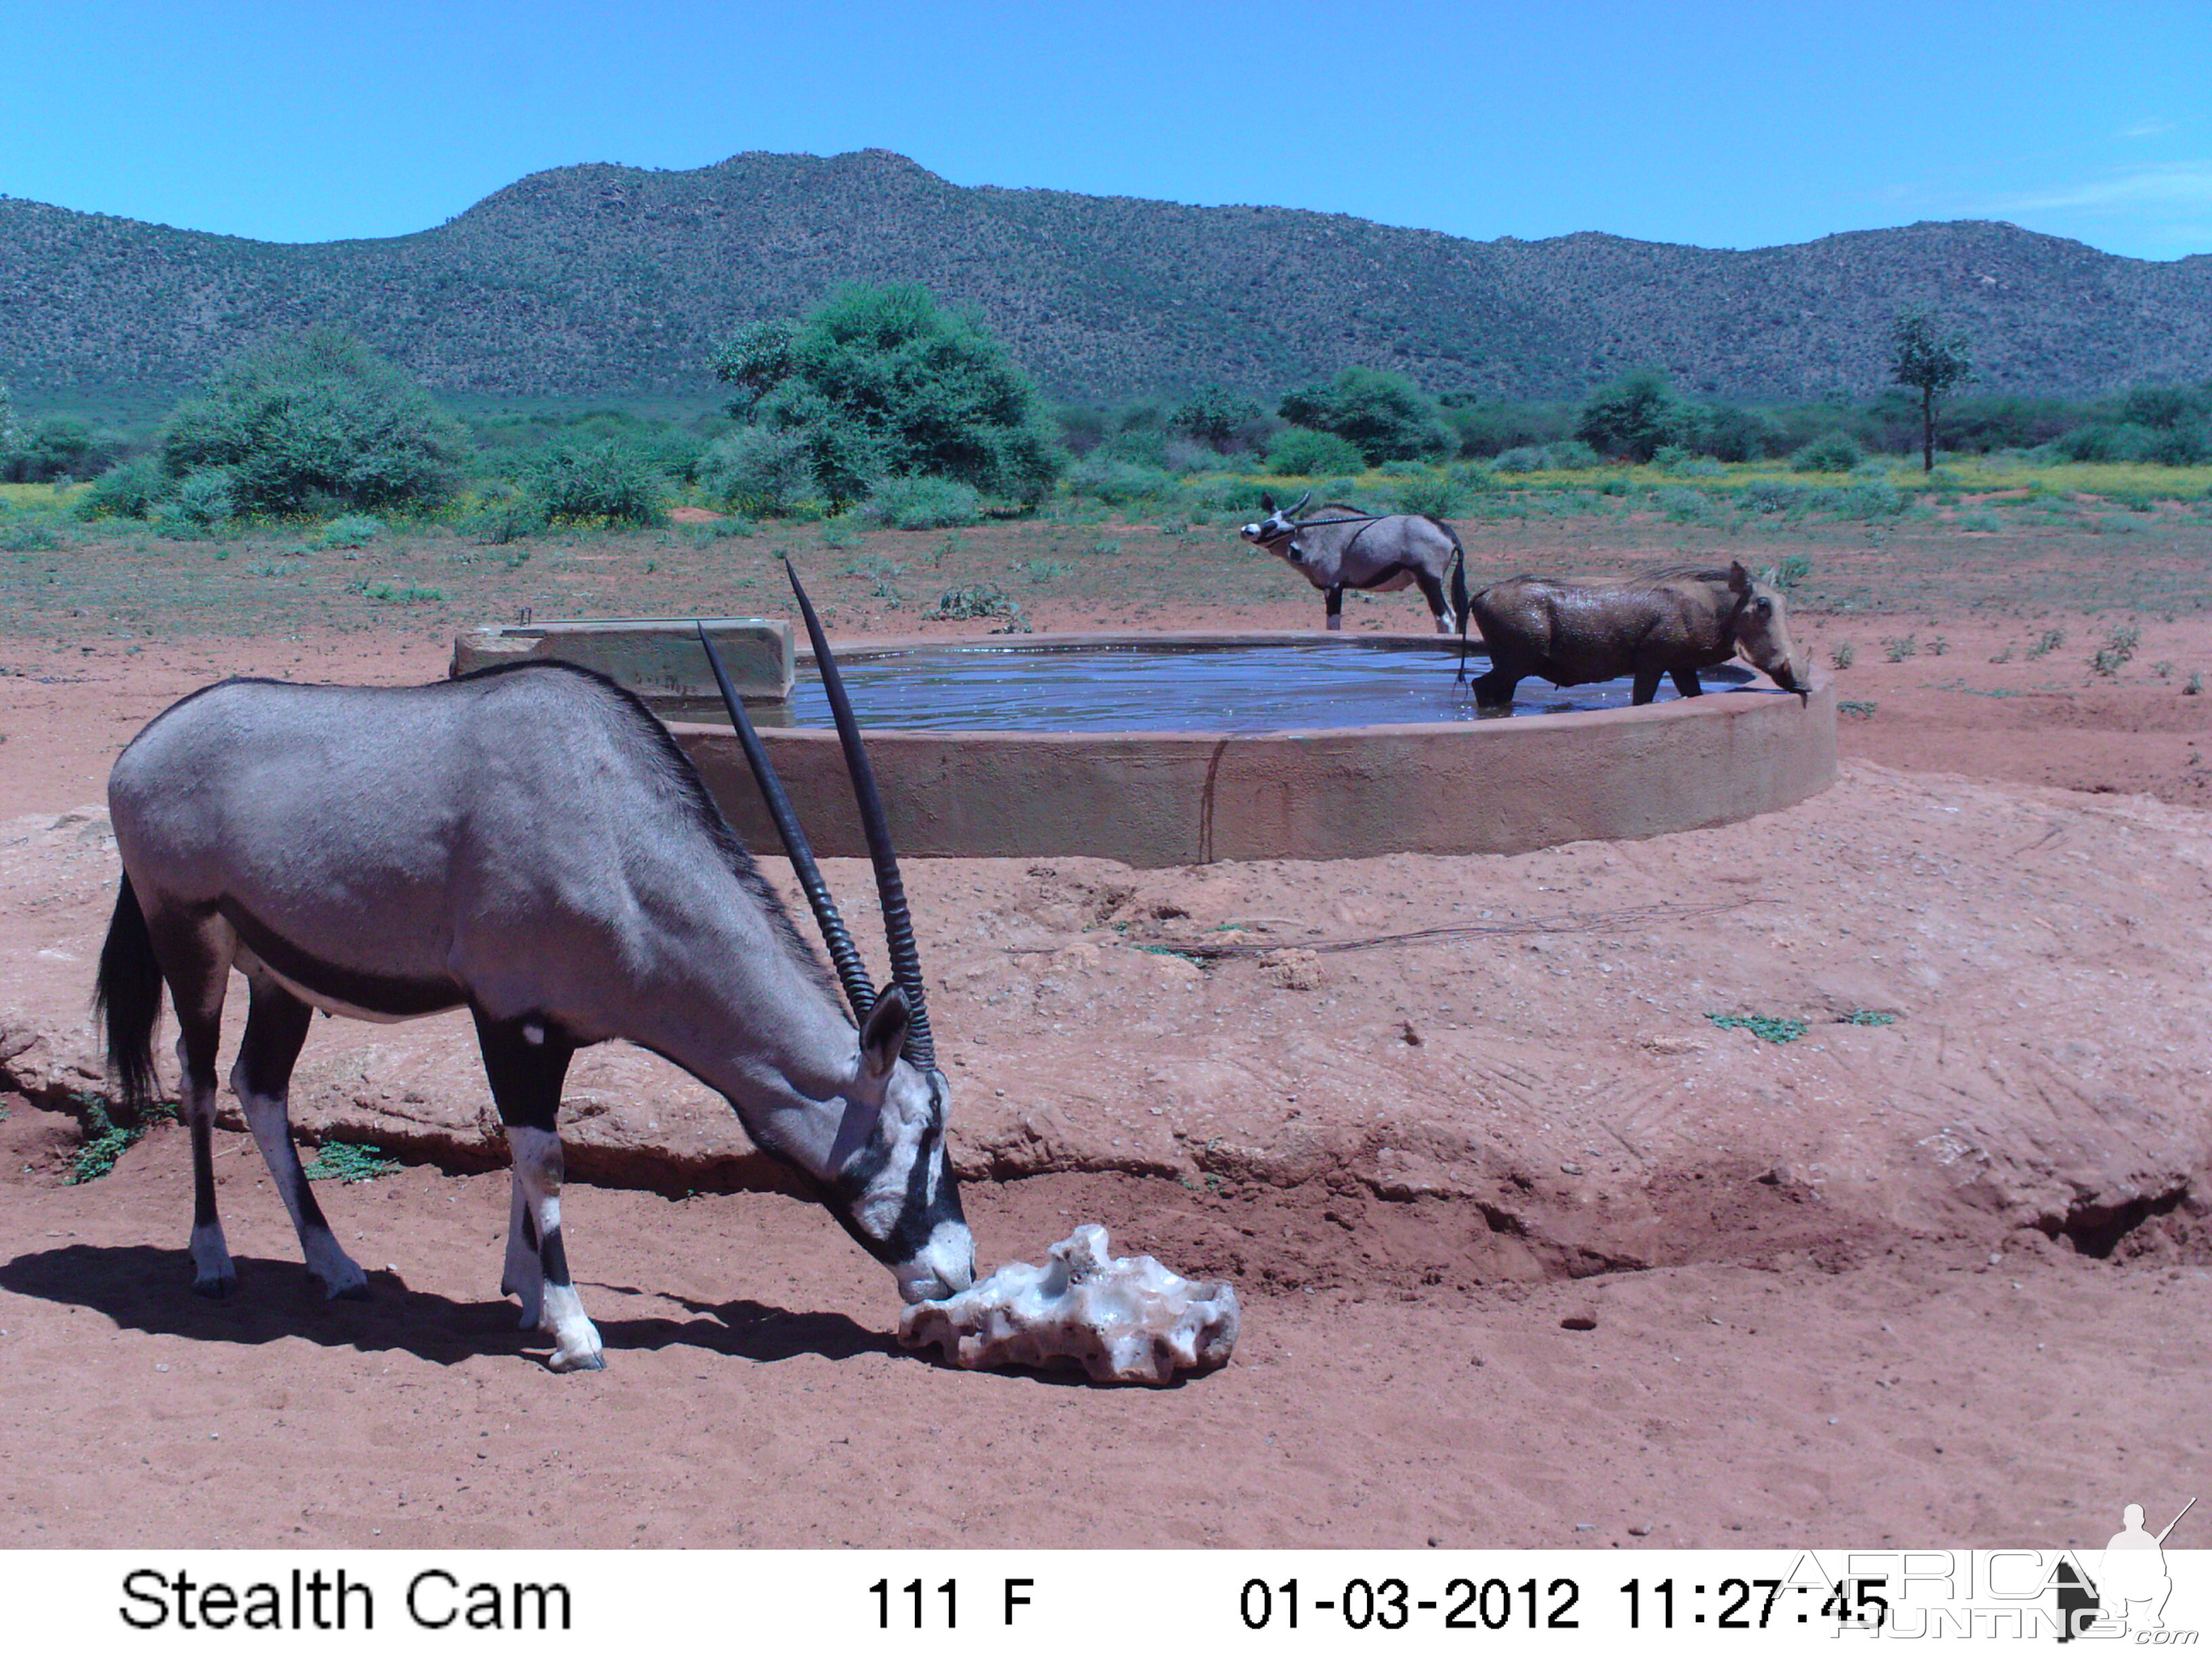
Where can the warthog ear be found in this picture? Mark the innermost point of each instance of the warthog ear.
(1739, 578)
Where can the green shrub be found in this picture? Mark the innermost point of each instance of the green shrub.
(922, 504)
(608, 483)
(1773, 495)
(1638, 416)
(1873, 498)
(759, 472)
(201, 501)
(29, 536)
(1384, 415)
(355, 530)
(1218, 418)
(314, 422)
(1299, 453)
(127, 491)
(1431, 493)
(1240, 497)
(56, 448)
(1120, 483)
(884, 382)
(1684, 506)
(1832, 451)
(508, 515)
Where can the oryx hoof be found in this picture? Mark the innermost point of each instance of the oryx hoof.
(583, 1359)
(216, 1287)
(347, 1292)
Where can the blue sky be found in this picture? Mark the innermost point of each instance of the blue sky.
(1725, 126)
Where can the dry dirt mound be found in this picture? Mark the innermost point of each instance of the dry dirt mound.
(1455, 1068)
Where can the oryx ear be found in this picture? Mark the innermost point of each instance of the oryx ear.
(882, 1034)
(1266, 503)
(1739, 578)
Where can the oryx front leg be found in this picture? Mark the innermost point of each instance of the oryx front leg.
(560, 1310)
(526, 1060)
(522, 1277)
(276, 1025)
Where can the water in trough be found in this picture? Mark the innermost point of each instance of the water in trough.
(1256, 686)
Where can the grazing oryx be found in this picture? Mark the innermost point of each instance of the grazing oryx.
(1351, 549)
(529, 843)
(1671, 621)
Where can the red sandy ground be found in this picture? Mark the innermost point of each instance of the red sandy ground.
(1899, 1361)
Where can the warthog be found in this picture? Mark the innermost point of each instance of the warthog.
(1346, 548)
(1671, 621)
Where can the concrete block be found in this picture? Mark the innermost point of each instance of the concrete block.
(657, 658)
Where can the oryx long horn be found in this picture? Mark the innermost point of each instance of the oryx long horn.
(898, 920)
(852, 972)
(1292, 512)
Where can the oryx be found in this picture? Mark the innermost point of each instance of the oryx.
(1376, 553)
(527, 842)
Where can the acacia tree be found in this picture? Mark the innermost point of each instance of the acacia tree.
(1935, 363)
(318, 421)
(1383, 415)
(1635, 416)
(884, 382)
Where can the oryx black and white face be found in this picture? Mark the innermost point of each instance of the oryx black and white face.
(895, 1191)
(905, 1203)
(1276, 532)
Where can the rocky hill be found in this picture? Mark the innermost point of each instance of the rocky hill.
(607, 282)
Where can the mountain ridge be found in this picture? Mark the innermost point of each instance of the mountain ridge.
(603, 281)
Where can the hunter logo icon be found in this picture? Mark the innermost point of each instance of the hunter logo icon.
(2132, 1586)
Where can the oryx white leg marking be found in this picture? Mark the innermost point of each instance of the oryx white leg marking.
(576, 1344)
(339, 1272)
(212, 1271)
(522, 1277)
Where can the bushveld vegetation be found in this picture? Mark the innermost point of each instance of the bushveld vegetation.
(885, 409)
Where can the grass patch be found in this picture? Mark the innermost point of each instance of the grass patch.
(1768, 1028)
(1854, 709)
(1866, 1017)
(107, 1140)
(339, 1160)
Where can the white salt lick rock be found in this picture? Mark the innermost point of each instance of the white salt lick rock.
(1123, 1319)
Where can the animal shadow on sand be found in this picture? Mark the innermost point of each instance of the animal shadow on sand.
(144, 1288)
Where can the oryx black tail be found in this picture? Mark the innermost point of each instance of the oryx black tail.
(127, 999)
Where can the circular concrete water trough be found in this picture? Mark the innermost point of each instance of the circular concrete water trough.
(1154, 798)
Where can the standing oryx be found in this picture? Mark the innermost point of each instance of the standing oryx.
(1378, 555)
(527, 842)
